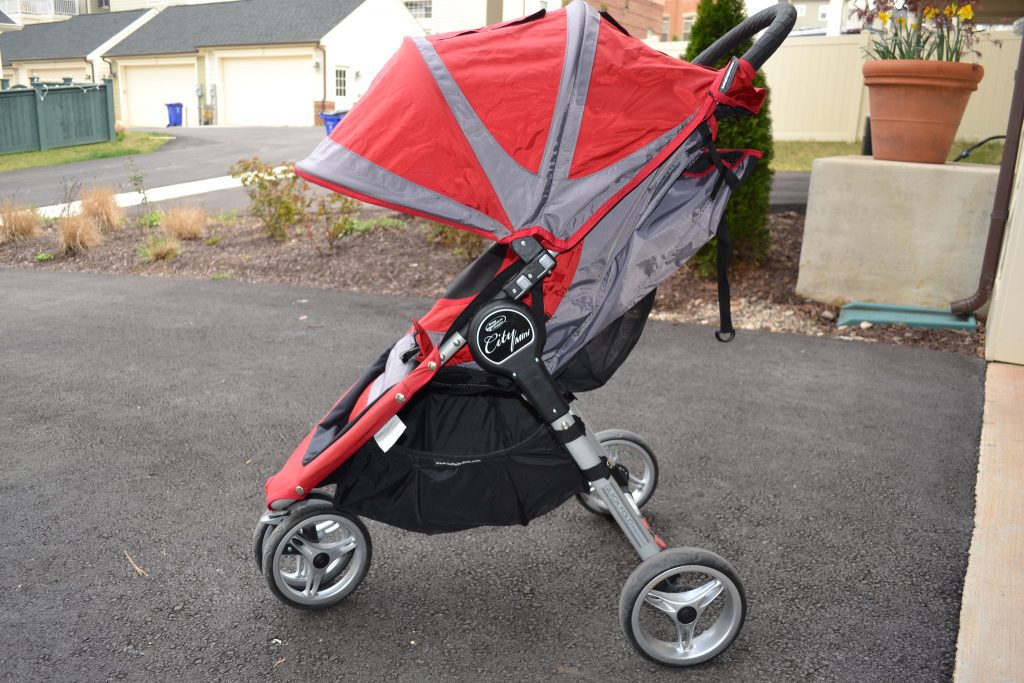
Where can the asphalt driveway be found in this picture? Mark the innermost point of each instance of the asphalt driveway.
(141, 416)
(194, 154)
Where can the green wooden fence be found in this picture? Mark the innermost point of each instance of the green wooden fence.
(48, 115)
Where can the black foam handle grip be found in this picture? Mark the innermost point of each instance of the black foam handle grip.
(778, 19)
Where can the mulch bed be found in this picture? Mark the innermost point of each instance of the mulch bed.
(408, 261)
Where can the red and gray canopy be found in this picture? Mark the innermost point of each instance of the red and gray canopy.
(538, 126)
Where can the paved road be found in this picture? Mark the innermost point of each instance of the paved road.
(143, 414)
(789, 190)
(199, 153)
(194, 154)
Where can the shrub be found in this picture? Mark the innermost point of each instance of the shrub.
(77, 233)
(99, 204)
(460, 242)
(157, 248)
(747, 212)
(44, 256)
(17, 222)
(277, 197)
(185, 222)
(150, 220)
(337, 214)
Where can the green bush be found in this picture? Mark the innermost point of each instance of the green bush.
(277, 197)
(747, 212)
(459, 242)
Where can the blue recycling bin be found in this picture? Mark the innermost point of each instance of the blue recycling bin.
(174, 114)
(331, 120)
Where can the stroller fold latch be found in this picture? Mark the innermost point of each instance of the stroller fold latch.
(538, 263)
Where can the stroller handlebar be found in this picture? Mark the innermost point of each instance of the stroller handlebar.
(778, 19)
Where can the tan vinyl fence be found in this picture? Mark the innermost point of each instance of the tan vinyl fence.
(818, 91)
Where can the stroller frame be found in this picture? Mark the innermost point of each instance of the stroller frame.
(314, 554)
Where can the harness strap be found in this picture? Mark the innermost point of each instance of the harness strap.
(725, 333)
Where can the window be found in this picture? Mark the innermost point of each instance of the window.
(823, 12)
(801, 10)
(103, 3)
(664, 29)
(421, 9)
(340, 82)
(688, 25)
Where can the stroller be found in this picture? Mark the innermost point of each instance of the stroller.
(589, 159)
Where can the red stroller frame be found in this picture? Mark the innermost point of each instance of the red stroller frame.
(469, 419)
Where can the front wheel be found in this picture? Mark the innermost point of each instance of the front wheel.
(635, 457)
(682, 606)
(316, 557)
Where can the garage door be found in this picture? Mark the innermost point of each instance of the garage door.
(148, 89)
(267, 91)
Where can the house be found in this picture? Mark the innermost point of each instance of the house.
(7, 24)
(640, 17)
(70, 48)
(256, 62)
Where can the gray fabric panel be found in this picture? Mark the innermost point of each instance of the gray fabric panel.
(395, 370)
(623, 260)
(336, 164)
(584, 24)
(573, 202)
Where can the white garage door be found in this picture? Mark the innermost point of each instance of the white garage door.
(148, 89)
(267, 91)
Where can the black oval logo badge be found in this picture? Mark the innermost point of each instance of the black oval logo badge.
(503, 334)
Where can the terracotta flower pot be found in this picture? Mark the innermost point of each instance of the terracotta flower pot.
(916, 106)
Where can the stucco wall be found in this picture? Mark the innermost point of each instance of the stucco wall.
(363, 43)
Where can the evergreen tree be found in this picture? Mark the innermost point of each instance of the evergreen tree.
(747, 211)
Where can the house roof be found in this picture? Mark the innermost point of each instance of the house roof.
(186, 28)
(73, 38)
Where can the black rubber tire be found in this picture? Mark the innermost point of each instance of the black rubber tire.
(584, 499)
(301, 512)
(649, 569)
(262, 531)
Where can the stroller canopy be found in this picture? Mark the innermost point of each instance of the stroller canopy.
(532, 127)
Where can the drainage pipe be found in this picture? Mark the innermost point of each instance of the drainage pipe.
(1001, 205)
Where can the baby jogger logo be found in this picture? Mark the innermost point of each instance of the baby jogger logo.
(502, 334)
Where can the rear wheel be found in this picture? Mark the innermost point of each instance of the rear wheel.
(316, 557)
(682, 606)
(630, 452)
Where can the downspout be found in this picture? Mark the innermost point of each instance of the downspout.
(323, 70)
(1004, 187)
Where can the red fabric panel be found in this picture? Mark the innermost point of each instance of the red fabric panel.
(516, 104)
(636, 94)
(403, 124)
(742, 93)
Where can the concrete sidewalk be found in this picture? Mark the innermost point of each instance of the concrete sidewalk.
(140, 416)
(991, 642)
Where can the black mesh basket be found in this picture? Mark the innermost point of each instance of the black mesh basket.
(595, 363)
(473, 454)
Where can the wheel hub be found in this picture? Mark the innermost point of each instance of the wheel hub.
(321, 560)
(686, 615)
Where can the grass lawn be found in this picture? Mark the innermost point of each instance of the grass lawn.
(133, 143)
(797, 155)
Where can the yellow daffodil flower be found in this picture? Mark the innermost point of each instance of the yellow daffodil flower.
(966, 13)
(884, 17)
(930, 13)
(949, 11)
(901, 21)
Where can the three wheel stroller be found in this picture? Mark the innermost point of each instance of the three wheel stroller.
(589, 159)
